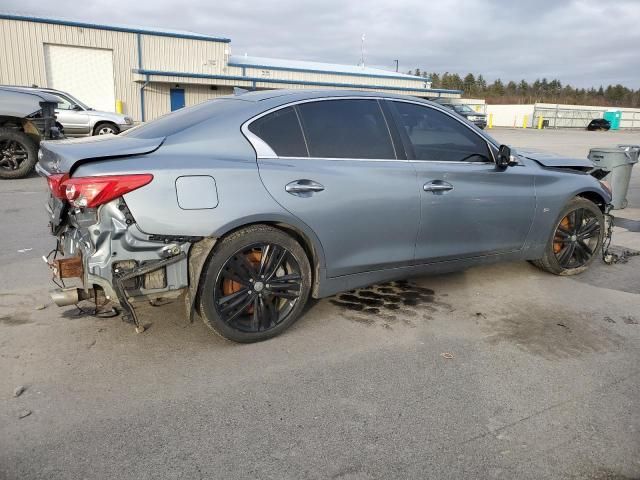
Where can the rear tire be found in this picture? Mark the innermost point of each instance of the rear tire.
(18, 153)
(255, 284)
(572, 248)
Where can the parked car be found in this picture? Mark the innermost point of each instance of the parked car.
(25, 119)
(248, 205)
(599, 124)
(479, 119)
(76, 119)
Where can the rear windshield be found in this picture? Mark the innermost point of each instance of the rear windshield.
(177, 121)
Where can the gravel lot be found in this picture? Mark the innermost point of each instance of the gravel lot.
(544, 381)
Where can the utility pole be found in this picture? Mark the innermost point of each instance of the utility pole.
(396, 65)
(362, 51)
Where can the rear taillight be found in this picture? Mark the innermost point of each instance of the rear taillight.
(91, 192)
(56, 186)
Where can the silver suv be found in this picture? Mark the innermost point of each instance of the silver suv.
(79, 120)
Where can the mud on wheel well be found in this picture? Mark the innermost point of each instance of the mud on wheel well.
(595, 198)
(303, 240)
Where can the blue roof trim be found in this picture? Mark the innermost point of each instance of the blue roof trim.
(294, 82)
(330, 72)
(114, 28)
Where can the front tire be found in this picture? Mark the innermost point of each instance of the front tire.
(106, 128)
(576, 239)
(18, 153)
(255, 285)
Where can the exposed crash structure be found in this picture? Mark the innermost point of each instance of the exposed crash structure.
(26, 118)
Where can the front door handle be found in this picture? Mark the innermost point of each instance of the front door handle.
(437, 186)
(304, 187)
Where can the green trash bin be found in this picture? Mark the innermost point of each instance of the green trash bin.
(614, 117)
(618, 162)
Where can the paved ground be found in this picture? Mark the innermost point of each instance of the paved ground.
(544, 381)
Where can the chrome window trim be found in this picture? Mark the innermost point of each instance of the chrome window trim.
(304, 137)
(384, 118)
(264, 151)
(452, 161)
(338, 159)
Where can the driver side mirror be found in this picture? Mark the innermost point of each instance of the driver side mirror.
(504, 157)
(77, 108)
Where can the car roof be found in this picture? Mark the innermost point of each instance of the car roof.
(290, 95)
(52, 91)
(45, 96)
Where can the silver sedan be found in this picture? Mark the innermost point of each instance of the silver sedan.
(245, 206)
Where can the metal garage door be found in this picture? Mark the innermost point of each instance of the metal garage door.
(85, 73)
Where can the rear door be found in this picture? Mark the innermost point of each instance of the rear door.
(332, 164)
(469, 207)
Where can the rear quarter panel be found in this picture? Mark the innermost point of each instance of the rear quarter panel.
(223, 154)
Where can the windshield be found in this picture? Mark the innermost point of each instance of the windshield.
(464, 109)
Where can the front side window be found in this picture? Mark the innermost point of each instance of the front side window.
(437, 136)
(63, 103)
(346, 129)
(281, 131)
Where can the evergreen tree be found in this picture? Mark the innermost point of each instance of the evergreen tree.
(469, 84)
(481, 83)
(541, 90)
(435, 80)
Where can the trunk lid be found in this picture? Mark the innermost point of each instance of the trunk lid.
(63, 156)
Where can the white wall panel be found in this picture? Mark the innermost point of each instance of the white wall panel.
(87, 73)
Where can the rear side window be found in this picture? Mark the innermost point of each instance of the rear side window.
(281, 131)
(437, 136)
(346, 129)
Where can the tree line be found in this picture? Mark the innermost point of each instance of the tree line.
(541, 90)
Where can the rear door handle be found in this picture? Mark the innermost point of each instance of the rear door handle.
(304, 187)
(437, 186)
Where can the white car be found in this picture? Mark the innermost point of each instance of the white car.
(79, 120)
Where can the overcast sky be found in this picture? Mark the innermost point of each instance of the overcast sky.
(581, 42)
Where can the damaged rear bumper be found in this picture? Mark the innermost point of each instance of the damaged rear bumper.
(118, 260)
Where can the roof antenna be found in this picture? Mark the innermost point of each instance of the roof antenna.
(362, 51)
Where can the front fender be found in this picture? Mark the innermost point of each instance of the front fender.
(553, 191)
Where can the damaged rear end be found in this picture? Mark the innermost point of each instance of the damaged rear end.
(101, 254)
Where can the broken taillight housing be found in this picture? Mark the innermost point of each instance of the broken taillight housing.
(56, 186)
(91, 192)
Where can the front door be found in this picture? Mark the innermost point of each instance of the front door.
(176, 96)
(469, 207)
(342, 178)
(73, 118)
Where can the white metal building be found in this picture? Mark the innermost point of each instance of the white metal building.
(151, 72)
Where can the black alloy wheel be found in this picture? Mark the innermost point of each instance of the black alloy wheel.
(258, 288)
(576, 238)
(255, 284)
(13, 154)
(18, 153)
